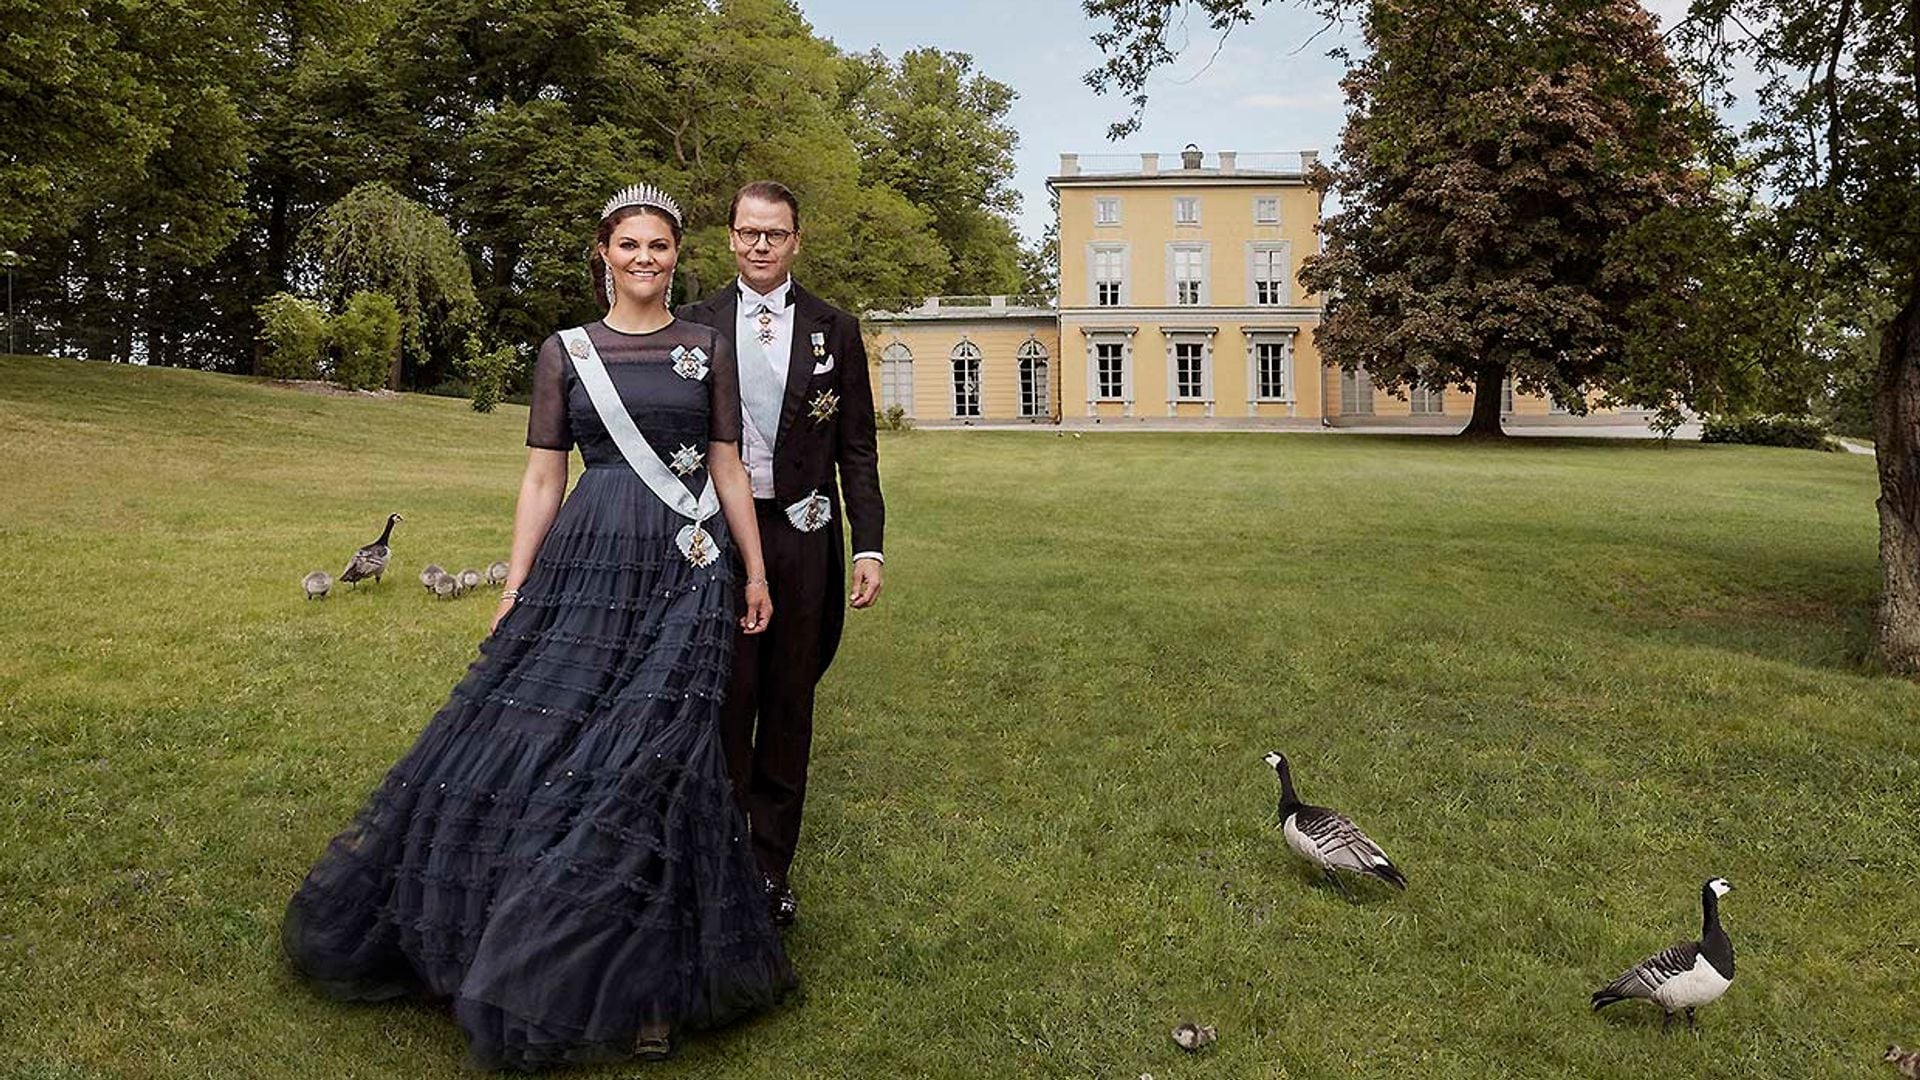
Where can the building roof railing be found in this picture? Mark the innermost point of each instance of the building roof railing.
(965, 307)
(1190, 162)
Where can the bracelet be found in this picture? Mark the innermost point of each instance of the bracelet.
(509, 594)
(756, 581)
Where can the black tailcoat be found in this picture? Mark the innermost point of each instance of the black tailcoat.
(767, 721)
(808, 452)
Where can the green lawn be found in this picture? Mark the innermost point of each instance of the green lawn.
(1562, 682)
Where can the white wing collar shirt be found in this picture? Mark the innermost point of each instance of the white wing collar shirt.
(778, 304)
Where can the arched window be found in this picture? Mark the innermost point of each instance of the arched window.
(966, 379)
(1033, 379)
(896, 377)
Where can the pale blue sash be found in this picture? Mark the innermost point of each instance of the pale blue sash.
(694, 542)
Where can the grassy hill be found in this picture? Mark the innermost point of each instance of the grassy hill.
(1563, 682)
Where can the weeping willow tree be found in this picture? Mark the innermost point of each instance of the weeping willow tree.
(377, 240)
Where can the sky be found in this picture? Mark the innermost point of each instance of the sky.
(1269, 88)
(1263, 93)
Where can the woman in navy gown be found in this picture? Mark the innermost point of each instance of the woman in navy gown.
(559, 857)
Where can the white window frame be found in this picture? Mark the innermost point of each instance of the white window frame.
(1281, 338)
(1101, 391)
(1101, 205)
(1280, 251)
(1191, 336)
(896, 376)
(1122, 253)
(966, 352)
(1260, 201)
(1203, 253)
(1190, 354)
(1121, 336)
(1183, 202)
(1356, 392)
(1034, 368)
(1424, 402)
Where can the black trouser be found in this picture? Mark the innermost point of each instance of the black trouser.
(767, 721)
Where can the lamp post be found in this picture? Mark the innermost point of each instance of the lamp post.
(12, 259)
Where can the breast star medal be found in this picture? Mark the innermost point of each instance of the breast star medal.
(685, 460)
(689, 363)
(823, 406)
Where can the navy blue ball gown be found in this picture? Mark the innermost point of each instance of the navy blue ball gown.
(559, 855)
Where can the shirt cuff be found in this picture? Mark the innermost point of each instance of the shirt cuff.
(874, 555)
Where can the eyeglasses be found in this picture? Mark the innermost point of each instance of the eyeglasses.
(772, 237)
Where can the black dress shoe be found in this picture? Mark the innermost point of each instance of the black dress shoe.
(782, 906)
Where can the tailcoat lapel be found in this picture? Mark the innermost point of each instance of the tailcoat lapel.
(724, 312)
(807, 322)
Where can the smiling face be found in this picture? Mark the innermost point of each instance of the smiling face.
(763, 261)
(640, 253)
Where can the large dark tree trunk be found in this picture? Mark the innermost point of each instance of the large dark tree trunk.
(1896, 432)
(1486, 402)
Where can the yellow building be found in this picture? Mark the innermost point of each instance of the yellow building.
(1178, 288)
(962, 359)
(1179, 299)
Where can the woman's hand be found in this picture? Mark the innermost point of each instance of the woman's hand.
(759, 608)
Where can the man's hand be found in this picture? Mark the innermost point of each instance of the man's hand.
(866, 582)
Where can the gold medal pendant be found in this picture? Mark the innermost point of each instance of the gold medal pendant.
(811, 513)
(698, 546)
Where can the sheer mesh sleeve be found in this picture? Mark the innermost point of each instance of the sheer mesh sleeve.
(547, 425)
(723, 415)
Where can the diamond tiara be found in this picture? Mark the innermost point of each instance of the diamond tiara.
(642, 195)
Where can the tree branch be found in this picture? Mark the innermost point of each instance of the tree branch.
(1832, 89)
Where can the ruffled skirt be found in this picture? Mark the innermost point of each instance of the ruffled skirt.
(559, 855)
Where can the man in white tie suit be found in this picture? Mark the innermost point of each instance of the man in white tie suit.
(808, 440)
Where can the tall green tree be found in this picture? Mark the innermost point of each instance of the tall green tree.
(1838, 141)
(80, 108)
(933, 128)
(745, 91)
(1492, 157)
(122, 164)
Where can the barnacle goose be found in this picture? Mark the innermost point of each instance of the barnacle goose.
(1684, 976)
(1327, 839)
(371, 561)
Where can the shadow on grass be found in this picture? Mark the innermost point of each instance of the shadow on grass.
(1647, 1017)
